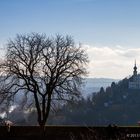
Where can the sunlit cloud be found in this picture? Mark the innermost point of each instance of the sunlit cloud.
(111, 62)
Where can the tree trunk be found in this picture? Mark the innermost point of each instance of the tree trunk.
(42, 127)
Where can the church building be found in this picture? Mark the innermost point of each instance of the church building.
(134, 81)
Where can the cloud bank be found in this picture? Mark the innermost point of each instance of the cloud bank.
(108, 62)
(112, 62)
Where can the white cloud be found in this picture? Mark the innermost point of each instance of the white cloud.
(112, 62)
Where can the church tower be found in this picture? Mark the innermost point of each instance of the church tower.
(134, 81)
(135, 69)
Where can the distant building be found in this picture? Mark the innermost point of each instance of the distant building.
(134, 81)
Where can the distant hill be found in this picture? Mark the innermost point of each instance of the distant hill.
(91, 85)
(117, 104)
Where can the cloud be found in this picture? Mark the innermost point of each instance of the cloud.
(111, 62)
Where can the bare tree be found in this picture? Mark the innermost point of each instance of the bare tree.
(44, 69)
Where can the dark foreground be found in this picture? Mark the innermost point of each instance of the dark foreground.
(69, 133)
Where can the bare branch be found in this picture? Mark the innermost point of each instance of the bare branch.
(48, 68)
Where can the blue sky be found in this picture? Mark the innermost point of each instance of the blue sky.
(102, 22)
(97, 23)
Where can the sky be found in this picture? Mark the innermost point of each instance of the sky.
(109, 30)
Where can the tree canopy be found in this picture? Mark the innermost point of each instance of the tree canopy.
(44, 70)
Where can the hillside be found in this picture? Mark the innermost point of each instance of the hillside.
(91, 85)
(111, 104)
(114, 105)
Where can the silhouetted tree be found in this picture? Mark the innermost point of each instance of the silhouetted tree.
(45, 69)
(108, 89)
(102, 90)
(124, 84)
(113, 85)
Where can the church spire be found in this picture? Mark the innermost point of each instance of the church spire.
(135, 69)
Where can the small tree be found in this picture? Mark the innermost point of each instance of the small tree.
(45, 69)
(102, 91)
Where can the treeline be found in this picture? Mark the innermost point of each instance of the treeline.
(114, 105)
